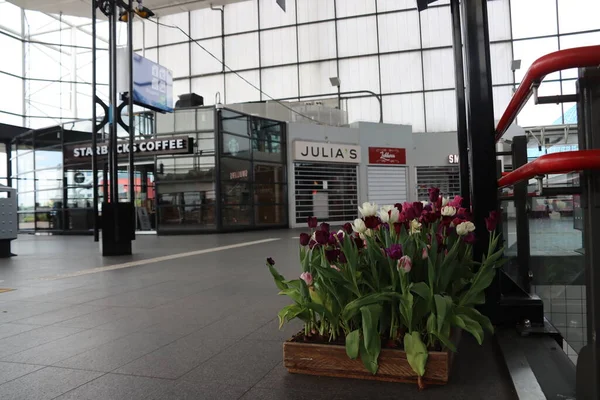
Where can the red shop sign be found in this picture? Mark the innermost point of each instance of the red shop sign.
(387, 155)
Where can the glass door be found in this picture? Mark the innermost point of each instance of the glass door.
(145, 195)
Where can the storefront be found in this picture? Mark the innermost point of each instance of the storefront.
(199, 170)
(387, 175)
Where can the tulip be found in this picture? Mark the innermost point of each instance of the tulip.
(464, 228)
(424, 253)
(368, 209)
(343, 258)
(394, 251)
(324, 227)
(404, 264)
(312, 244)
(270, 261)
(348, 228)
(398, 206)
(445, 201)
(456, 221)
(372, 222)
(457, 202)
(418, 207)
(332, 255)
(332, 241)
(428, 207)
(304, 239)
(358, 242)
(334, 267)
(469, 238)
(448, 211)
(322, 237)
(415, 227)
(390, 216)
(359, 226)
(491, 222)
(340, 234)
(434, 193)
(307, 278)
(312, 222)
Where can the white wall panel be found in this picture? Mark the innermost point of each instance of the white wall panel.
(438, 66)
(502, 96)
(436, 27)
(150, 34)
(501, 58)
(499, 20)
(241, 17)
(280, 82)
(180, 87)
(205, 23)
(406, 109)
(171, 35)
(399, 31)
(271, 15)
(138, 34)
(391, 5)
(238, 91)
(241, 51)
(440, 110)
(578, 15)
(534, 18)
(314, 78)
(208, 86)
(349, 8)
(151, 54)
(401, 72)
(176, 58)
(13, 102)
(570, 41)
(541, 114)
(316, 41)
(530, 50)
(278, 47)
(362, 109)
(204, 63)
(359, 74)
(357, 36)
(315, 10)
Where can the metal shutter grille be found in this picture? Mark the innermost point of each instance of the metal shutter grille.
(445, 178)
(387, 185)
(342, 189)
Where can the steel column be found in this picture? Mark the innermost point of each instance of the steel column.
(131, 127)
(94, 127)
(519, 157)
(461, 124)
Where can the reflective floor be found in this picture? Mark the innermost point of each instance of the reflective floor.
(184, 318)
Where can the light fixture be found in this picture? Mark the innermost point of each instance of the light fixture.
(335, 81)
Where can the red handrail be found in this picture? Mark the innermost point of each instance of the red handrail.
(557, 163)
(588, 56)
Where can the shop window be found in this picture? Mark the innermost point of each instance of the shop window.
(48, 179)
(236, 146)
(235, 193)
(48, 199)
(237, 215)
(233, 122)
(269, 173)
(49, 158)
(26, 201)
(25, 162)
(186, 168)
(235, 169)
(267, 193)
(25, 182)
(26, 221)
(270, 214)
(182, 217)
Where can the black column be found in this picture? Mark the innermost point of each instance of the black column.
(461, 116)
(519, 157)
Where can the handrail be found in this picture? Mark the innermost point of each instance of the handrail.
(557, 163)
(578, 57)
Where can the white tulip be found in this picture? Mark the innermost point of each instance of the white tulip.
(415, 227)
(387, 208)
(445, 201)
(389, 216)
(384, 216)
(448, 211)
(394, 215)
(359, 226)
(364, 235)
(368, 209)
(464, 228)
(425, 203)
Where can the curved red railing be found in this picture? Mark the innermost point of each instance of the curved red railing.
(557, 163)
(588, 56)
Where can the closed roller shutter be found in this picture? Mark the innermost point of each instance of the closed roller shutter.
(447, 179)
(387, 185)
(326, 191)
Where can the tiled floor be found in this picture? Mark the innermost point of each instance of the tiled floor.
(194, 327)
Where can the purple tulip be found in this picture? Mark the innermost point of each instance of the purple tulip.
(332, 241)
(434, 194)
(270, 261)
(491, 222)
(324, 227)
(394, 251)
(304, 239)
(312, 222)
(332, 255)
(322, 237)
(343, 258)
(348, 228)
(418, 207)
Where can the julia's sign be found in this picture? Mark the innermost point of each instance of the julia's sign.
(326, 152)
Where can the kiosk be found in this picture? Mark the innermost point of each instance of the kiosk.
(8, 219)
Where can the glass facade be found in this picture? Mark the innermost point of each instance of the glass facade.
(234, 177)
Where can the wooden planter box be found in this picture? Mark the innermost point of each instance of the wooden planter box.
(332, 360)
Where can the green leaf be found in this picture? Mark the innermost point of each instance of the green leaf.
(458, 321)
(279, 279)
(369, 360)
(406, 309)
(376, 298)
(431, 324)
(477, 316)
(288, 313)
(473, 328)
(416, 352)
(445, 340)
(315, 296)
(370, 321)
(293, 294)
(443, 305)
(352, 344)
(421, 289)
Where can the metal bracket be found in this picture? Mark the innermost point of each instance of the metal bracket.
(106, 7)
(98, 101)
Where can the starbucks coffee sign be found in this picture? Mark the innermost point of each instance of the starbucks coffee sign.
(174, 145)
(326, 152)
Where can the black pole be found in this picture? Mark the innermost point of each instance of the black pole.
(130, 106)
(114, 166)
(461, 115)
(8, 164)
(480, 123)
(94, 130)
(519, 157)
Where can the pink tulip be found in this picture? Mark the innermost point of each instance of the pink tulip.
(405, 263)
(424, 254)
(336, 268)
(307, 278)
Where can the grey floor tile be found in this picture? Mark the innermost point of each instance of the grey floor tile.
(132, 323)
(199, 391)
(45, 384)
(117, 387)
(100, 317)
(271, 331)
(61, 349)
(10, 371)
(33, 338)
(245, 363)
(176, 359)
(59, 315)
(117, 353)
(286, 394)
(280, 378)
(11, 329)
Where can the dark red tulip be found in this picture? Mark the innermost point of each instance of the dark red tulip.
(491, 222)
(398, 206)
(456, 202)
(270, 261)
(434, 194)
(312, 244)
(469, 238)
(418, 207)
(332, 241)
(312, 222)
(372, 222)
(304, 239)
(358, 242)
(348, 228)
(343, 258)
(322, 237)
(332, 255)
(394, 251)
(324, 227)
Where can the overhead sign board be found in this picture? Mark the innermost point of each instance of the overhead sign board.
(387, 155)
(159, 146)
(326, 152)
